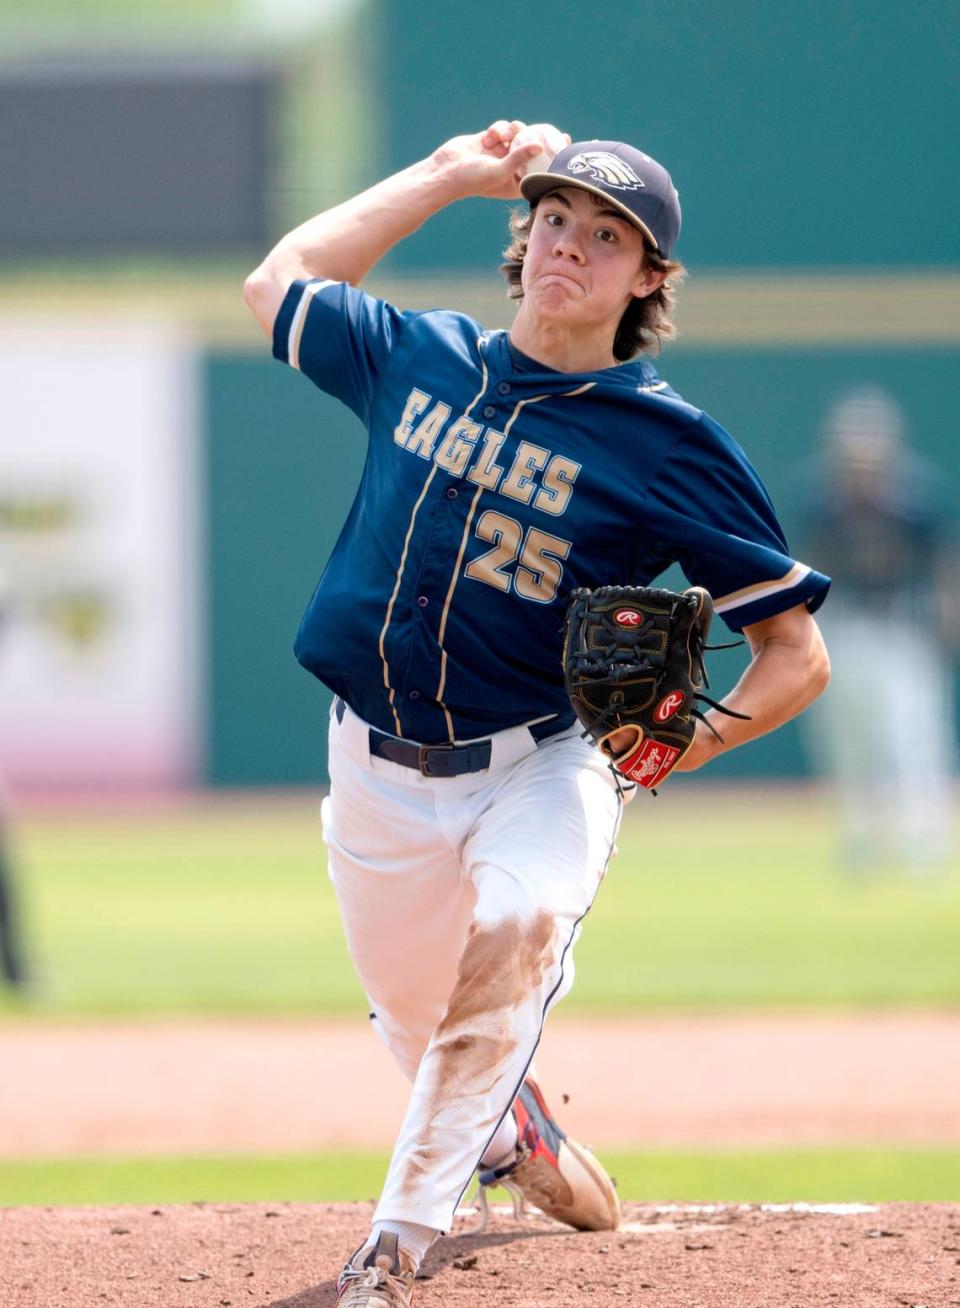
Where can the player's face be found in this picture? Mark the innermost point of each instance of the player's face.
(584, 262)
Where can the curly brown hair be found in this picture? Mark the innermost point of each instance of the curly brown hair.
(647, 321)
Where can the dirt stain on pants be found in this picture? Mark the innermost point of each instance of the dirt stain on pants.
(475, 1053)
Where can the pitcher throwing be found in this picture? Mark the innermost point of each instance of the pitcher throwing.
(469, 823)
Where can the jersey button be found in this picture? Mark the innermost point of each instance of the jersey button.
(451, 492)
(422, 601)
(489, 411)
(503, 388)
(413, 694)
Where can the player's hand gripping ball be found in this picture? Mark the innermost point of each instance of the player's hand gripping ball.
(633, 668)
(491, 163)
(551, 141)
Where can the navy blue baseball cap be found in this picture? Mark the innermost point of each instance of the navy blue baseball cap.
(633, 183)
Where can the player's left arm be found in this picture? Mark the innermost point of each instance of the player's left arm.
(789, 668)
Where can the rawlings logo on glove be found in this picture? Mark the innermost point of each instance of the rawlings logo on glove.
(633, 668)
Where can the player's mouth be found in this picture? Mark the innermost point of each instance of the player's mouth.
(553, 275)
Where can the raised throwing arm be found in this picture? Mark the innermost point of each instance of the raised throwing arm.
(345, 242)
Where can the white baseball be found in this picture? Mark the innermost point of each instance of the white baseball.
(539, 163)
(548, 137)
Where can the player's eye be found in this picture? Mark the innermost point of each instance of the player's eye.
(605, 234)
(553, 219)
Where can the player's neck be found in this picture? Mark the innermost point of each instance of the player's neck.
(560, 348)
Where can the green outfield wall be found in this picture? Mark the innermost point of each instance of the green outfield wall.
(797, 134)
(282, 462)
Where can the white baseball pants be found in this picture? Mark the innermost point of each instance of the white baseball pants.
(883, 731)
(462, 898)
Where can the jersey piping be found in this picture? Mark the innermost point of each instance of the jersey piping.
(391, 692)
(762, 589)
(441, 685)
(299, 318)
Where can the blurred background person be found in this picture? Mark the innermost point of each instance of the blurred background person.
(12, 965)
(875, 515)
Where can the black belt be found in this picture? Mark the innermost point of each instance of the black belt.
(432, 760)
(443, 760)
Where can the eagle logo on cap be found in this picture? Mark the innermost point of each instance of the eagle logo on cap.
(606, 168)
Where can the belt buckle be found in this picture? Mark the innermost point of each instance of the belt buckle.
(423, 757)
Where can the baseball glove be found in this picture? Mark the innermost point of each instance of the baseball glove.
(633, 657)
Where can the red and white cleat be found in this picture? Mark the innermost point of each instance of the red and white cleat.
(552, 1172)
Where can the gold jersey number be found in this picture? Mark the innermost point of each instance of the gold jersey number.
(539, 570)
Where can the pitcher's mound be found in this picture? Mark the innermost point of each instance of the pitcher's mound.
(668, 1256)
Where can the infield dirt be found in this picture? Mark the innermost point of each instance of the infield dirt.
(732, 1081)
(176, 1085)
(288, 1256)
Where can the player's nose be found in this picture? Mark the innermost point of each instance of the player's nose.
(569, 244)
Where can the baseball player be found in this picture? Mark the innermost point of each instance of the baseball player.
(880, 515)
(469, 824)
(13, 969)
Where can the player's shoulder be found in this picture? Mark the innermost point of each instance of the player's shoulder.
(433, 338)
(351, 301)
(448, 324)
(697, 438)
(659, 400)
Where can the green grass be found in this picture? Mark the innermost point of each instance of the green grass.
(774, 1176)
(225, 907)
(754, 913)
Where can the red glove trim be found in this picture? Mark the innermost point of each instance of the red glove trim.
(648, 763)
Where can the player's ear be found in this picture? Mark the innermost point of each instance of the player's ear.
(647, 281)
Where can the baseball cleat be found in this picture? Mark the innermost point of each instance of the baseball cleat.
(552, 1172)
(378, 1276)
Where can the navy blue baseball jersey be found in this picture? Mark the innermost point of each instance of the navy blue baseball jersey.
(492, 487)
